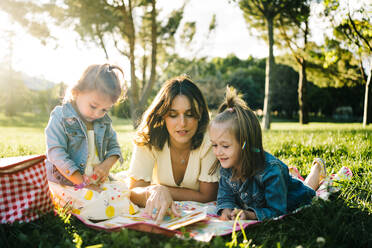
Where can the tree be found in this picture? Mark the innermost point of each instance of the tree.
(340, 74)
(98, 19)
(353, 28)
(20, 12)
(285, 92)
(294, 31)
(122, 24)
(212, 75)
(12, 90)
(14, 94)
(262, 14)
(45, 100)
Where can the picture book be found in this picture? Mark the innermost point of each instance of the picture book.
(190, 213)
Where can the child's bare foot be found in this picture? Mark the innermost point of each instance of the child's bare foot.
(321, 167)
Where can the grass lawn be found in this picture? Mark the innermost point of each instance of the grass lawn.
(344, 221)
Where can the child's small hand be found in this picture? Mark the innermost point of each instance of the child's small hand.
(245, 215)
(101, 171)
(235, 213)
(94, 187)
(226, 214)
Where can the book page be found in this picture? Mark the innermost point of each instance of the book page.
(190, 213)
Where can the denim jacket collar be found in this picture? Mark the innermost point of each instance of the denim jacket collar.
(69, 112)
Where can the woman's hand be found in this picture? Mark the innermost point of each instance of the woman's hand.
(158, 203)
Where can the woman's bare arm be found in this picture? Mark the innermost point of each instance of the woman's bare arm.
(139, 191)
(207, 192)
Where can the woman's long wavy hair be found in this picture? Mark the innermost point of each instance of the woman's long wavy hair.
(152, 130)
(245, 127)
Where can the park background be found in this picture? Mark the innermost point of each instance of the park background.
(303, 66)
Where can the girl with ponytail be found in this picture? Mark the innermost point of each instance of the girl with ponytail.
(252, 180)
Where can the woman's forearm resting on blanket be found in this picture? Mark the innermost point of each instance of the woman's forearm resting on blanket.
(207, 193)
(141, 192)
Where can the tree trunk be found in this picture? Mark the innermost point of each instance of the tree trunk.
(133, 92)
(302, 83)
(366, 118)
(270, 63)
(148, 86)
(144, 70)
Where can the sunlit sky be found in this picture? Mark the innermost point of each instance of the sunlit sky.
(65, 58)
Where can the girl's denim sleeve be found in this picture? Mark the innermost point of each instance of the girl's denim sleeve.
(225, 195)
(113, 147)
(275, 195)
(56, 141)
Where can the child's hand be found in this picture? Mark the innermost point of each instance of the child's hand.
(101, 171)
(235, 213)
(245, 215)
(226, 214)
(94, 187)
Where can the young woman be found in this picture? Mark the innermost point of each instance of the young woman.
(172, 156)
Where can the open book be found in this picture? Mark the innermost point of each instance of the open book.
(190, 213)
(199, 220)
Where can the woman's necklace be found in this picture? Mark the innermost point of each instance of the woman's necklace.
(184, 157)
(183, 160)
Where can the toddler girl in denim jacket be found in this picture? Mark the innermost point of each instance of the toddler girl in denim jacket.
(252, 181)
(82, 145)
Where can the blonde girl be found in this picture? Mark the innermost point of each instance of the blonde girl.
(251, 179)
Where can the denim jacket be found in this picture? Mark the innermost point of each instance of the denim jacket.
(67, 142)
(270, 193)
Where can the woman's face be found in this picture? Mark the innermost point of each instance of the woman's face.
(180, 122)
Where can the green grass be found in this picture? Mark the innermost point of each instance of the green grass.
(344, 221)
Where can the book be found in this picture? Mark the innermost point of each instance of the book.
(189, 213)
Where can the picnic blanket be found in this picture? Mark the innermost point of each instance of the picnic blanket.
(197, 219)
